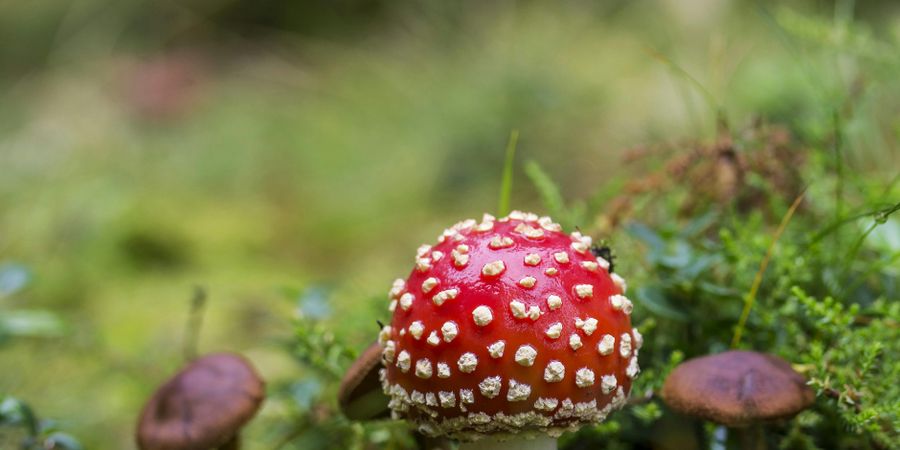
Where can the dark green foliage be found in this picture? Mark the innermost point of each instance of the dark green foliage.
(21, 427)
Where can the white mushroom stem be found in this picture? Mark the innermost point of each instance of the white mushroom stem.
(538, 443)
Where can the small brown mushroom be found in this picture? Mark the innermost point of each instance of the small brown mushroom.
(360, 396)
(203, 406)
(738, 389)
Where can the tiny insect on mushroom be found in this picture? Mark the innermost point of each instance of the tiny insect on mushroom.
(738, 389)
(203, 406)
(541, 338)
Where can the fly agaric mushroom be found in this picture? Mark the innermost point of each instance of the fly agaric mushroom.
(738, 389)
(203, 406)
(508, 328)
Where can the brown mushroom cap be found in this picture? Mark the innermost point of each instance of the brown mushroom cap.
(203, 406)
(360, 396)
(737, 388)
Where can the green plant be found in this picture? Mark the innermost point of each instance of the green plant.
(20, 426)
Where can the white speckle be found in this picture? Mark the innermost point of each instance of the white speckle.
(554, 372)
(638, 338)
(433, 339)
(628, 307)
(517, 391)
(465, 225)
(487, 217)
(417, 397)
(603, 263)
(466, 396)
(498, 242)
(531, 217)
(548, 224)
(588, 325)
(619, 281)
(532, 259)
(574, 341)
(406, 301)
(584, 290)
(586, 240)
(551, 271)
(633, 368)
(467, 362)
(459, 259)
(423, 368)
(625, 345)
(566, 409)
(462, 248)
(496, 349)
(606, 345)
(416, 329)
(398, 287)
(392, 306)
(561, 257)
(534, 313)
(448, 399)
(423, 264)
(443, 370)
(443, 296)
(429, 284)
(487, 225)
(585, 409)
(580, 247)
(554, 302)
(482, 315)
(430, 399)
(403, 361)
(527, 282)
(449, 330)
(490, 387)
(553, 331)
(493, 268)
(423, 250)
(516, 215)
(436, 256)
(384, 334)
(533, 233)
(589, 265)
(525, 355)
(403, 332)
(518, 309)
(617, 301)
(608, 383)
(546, 404)
(390, 347)
(584, 377)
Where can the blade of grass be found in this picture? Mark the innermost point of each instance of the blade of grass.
(506, 183)
(717, 111)
(751, 296)
(548, 191)
(194, 323)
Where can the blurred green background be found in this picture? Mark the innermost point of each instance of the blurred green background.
(260, 148)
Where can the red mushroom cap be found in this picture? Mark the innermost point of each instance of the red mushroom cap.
(505, 326)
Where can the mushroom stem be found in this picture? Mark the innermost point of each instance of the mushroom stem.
(233, 444)
(752, 437)
(538, 443)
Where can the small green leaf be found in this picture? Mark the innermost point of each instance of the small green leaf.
(653, 298)
(35, 323)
